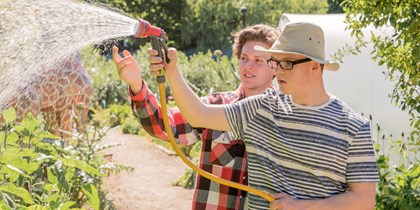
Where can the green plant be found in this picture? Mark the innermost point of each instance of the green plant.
(107, 87)
(399, 186)
(207, 75)
(118, 114)
(399, 173)
(131, 126)
(187, 180)
(37, 172)
(89, 150)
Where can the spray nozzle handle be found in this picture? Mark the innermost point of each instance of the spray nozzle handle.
(159, 44)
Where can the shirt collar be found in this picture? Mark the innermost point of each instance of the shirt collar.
(240, 93)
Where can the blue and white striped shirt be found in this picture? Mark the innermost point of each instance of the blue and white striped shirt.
(306, 152)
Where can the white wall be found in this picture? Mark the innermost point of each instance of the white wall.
(359, 81)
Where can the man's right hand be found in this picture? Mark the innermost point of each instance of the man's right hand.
(128, 69)
(156, 63)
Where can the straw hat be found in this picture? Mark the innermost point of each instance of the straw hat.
(305, 39)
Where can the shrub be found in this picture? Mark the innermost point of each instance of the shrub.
(131, 126)
(399, 173)
(39, 173)
(118, 114)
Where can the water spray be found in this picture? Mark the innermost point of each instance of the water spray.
(34, 42)
(158, 40)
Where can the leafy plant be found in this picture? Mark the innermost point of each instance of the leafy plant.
(399, 186)
(37, 172)
(131, 126)
(118, 114)
(187, 180)
(107, 87)
(399, 173)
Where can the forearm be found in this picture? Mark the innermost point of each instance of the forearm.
(148, 111)
(349, 200)
(195, 112)
(136, 87)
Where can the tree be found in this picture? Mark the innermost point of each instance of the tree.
(400, 51)
(200, 25)
(166, 14)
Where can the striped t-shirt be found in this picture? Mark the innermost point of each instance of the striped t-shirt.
(306, 152)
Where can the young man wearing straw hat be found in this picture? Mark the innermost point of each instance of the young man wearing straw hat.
(305, 146)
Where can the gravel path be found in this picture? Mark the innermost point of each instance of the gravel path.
(149, 186)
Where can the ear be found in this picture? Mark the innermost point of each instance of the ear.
(317, 66)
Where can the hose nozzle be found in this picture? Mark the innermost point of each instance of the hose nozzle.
(145, 29)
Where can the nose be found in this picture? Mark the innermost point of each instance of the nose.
(249, 63)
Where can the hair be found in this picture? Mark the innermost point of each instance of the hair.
(259, 32)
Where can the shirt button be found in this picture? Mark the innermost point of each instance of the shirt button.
(244, 177)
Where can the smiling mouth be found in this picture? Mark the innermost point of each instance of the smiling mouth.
(249, 75)
(281, 81)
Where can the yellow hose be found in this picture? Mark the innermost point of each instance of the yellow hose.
(200, 171)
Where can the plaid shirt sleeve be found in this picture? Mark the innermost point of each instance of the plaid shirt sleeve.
(149, 113)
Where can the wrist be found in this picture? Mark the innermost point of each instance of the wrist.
(308, 204)
(136, 88)
(172, 72)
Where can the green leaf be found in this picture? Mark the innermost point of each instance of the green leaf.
(376, 146)
(3, 205)
(70, 173)
(43, 157)
(52, 178)
(37, 207)
(9, 174)
(30, 123)
(82, 166)
(8, 200)
(92, 193)
(12, 137)
(17, 191)
(46, 149)
(88, 168)
(19, 128)
(22, 159)
(49, 188)
(55, 197)
(18, 171)
(67, 205)
(46, 135)
(9, 115)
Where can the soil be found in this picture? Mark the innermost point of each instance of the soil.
(149, 186)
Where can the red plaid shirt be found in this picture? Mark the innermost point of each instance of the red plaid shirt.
(227, 160)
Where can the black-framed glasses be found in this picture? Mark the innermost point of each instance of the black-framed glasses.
(285, 65)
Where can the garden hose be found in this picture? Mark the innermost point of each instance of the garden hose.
(212, 177)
